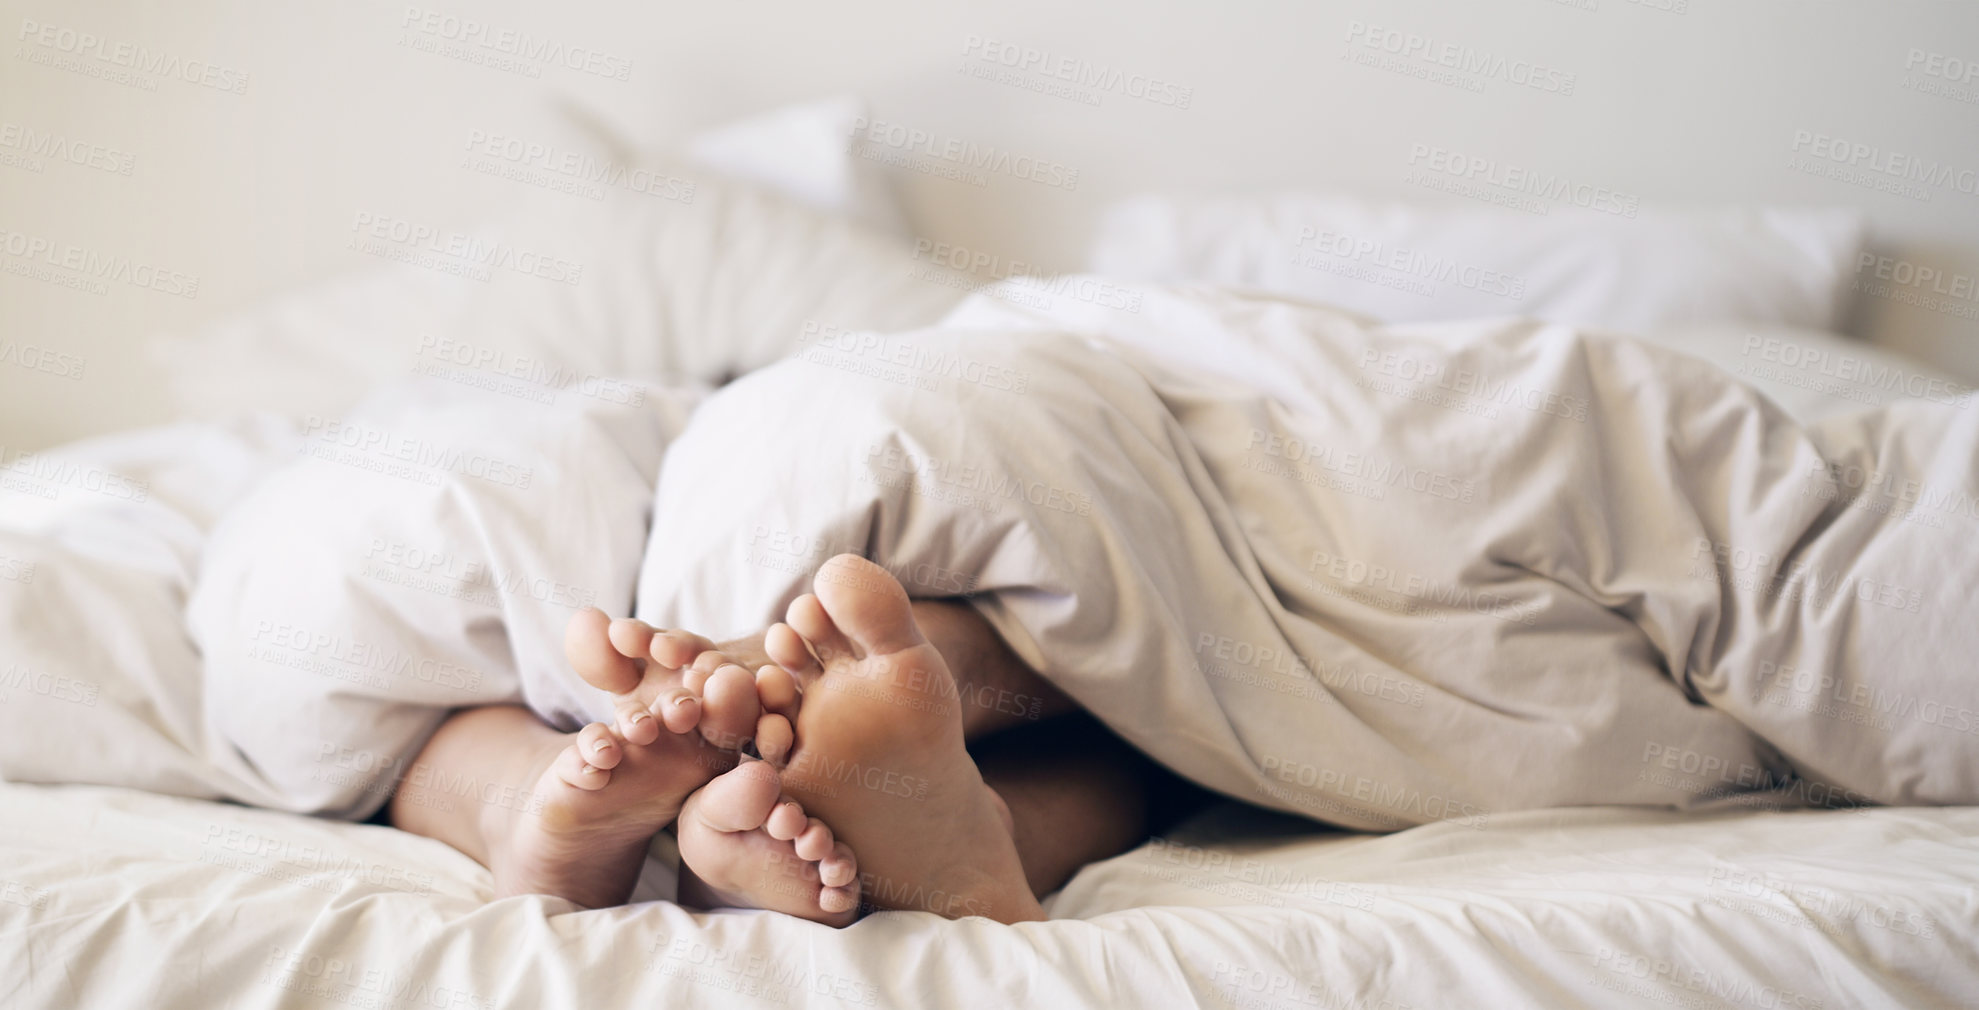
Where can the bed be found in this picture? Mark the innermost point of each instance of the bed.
(167, 897)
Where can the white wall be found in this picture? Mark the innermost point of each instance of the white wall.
(254, 192)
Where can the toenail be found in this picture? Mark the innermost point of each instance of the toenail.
(600, 744)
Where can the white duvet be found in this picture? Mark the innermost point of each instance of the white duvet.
(1261, 539)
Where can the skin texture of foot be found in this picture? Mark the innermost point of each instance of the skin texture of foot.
(745, 845)
(878, 751)
(600, 795)
(584, 828)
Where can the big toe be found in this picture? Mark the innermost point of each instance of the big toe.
(730, 707)
(587, 643)
(867, 604)
(740, 799)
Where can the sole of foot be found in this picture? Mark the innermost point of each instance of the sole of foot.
(879, 755)
(582, 831)
(746, 845)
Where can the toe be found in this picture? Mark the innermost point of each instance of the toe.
(808, 618)
(675, 649)
(632, 638)
(729, 708)
(598, 747)
(573, 769)
(587, 644)
(736, 800)
(777, 690)
(867, 604)
(679, 709)
(787, 821)
(774, 738)
(636, 723)
(839, 869)
(816, 842)
(787, 648)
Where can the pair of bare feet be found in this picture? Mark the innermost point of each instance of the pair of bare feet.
(863, 794)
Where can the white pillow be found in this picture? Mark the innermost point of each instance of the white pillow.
(698, 279)
(801, 151)
(1406, 263)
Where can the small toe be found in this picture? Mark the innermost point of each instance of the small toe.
(808, 619)
(838, 900)
(679, 709)
(816, 842)
(777, 690)
(774, 738)
(636, 723)
(598, 747)
(788, 649)
(632, 638)
(787, 821)
(675, 649)
(839, 869)
(572, 768)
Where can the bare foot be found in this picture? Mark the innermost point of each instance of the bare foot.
(747, 846)
(879, 753)
(602, 793)
(672, 680)
(583, 830)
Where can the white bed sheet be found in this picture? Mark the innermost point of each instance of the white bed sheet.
(112, 897)
(116, 898)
